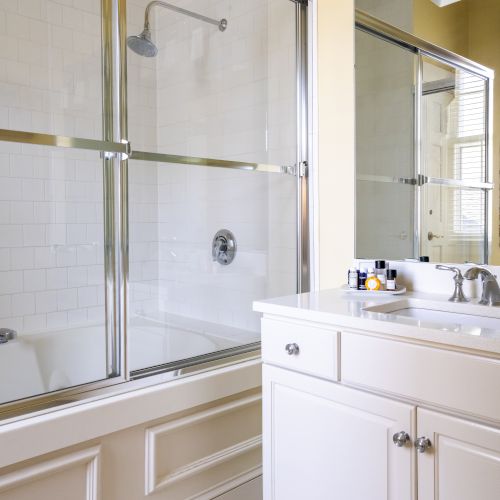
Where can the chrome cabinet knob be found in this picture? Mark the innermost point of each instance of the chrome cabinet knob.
(422, 444)
(292, 349)
(400, 439)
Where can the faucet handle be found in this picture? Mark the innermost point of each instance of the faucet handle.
(456, 270)
(458, 294)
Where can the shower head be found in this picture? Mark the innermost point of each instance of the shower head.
(142, 44)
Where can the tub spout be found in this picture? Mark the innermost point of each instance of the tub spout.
(7, 334)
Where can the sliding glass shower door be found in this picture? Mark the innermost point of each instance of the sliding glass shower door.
(52, 199)
(147, 196)
(212, 194)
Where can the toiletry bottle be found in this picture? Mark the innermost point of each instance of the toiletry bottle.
(353, 278)
(362, 279)
(391, 284)
(370, 273)
(380, 272)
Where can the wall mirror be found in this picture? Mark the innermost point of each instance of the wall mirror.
(426, 137)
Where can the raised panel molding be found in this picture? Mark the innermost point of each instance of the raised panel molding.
(158, 476)
(89, 457)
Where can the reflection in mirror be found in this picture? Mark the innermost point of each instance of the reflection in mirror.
(468, 28)
(423, 171)
(384, 148)
(453, 138)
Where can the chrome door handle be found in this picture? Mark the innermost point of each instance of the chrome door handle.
(431, 236)
(400, 439)
(422, 444)
(292, 349)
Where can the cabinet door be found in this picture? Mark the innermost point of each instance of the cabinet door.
(463, 462)
(324, 441)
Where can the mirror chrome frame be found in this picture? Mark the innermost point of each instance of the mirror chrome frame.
(422, 48)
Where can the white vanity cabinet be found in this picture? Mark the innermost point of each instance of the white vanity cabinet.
(463, 462)
(330, 426)
(324, 441)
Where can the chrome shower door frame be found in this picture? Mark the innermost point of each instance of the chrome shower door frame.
(302, 160)
(115, 149)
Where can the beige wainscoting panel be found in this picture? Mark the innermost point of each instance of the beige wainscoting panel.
(73, 476)
(248, 491)
(205, 454)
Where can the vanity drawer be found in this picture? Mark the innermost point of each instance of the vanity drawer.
(449, 379)
(317, 352)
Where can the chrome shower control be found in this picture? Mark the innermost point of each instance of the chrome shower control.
(422, 444)
(292, 349)
(400, 439)
(223, 247)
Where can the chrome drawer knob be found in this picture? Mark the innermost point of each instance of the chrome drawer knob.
(400, 439)
(422, 444)
(292, 349)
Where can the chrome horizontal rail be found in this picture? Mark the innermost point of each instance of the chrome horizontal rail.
(488, 186)
(62, 141)
(382, 29)
(422, 180)
(205, 162)
(124, 148)
(387, 179)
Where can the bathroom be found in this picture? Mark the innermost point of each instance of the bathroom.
(167, 170)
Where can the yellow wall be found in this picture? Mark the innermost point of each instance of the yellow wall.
(335, 140)
(470, 28)
(446, 27)
(484, 47)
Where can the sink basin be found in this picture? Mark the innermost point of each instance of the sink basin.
(466, 318)
(446, 317)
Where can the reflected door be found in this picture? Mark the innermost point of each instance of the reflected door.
(434, 151)
(453, 164)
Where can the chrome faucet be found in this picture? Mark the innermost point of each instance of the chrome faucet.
(491, 290)
(458, 294)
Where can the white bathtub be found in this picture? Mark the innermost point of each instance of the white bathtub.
(41, 362)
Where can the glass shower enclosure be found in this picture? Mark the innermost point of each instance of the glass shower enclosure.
(153, 184)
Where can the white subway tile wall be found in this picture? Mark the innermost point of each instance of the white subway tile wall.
(51, 239)
(51, 231)
(227, 95)
(50, 69)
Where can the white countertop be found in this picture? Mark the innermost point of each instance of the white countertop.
(338, 308)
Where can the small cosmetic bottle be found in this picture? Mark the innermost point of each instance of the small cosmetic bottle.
(391, 284)
(353, 278)
(362, 279)
(380, 272)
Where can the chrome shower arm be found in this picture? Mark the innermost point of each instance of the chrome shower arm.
(221, 24)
